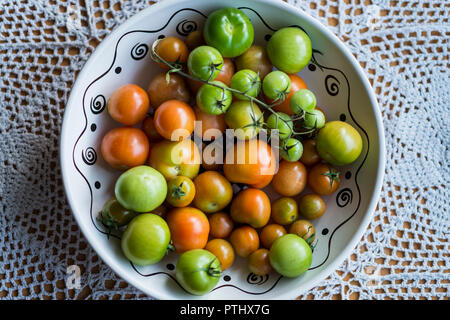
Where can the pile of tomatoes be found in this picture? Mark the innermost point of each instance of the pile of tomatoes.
(167, 198)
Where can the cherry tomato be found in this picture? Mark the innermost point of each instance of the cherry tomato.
(123, 148)
(114, 215)
(246, 118)
(297, 84)
(226, 72)
(290, 179)
(270, 233)
(302, 101)
(221, 225)
(281, 122)
(148, 126)
(223, 250)
(291, 149)
(323, 179)
(195, 39)
(304, 229)
(244, 240)
(204, 63)
(214, 192)
(284, 210)
(212, 126)
(214, 100)
(314, 119)
(161, 91)
(310, 155)
(180, 191)
(256, 59)
(173, 50)
(276, 85)
(259, 262)
(251, 206)
(128, 104)
(162, 210)
(210, 160)
(174, 120)
(311, 206)
(189, 228)
(247, 81)
(290, 255)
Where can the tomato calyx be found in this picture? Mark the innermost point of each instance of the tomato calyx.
(108, 222)
(213, 271)
(333, 176)
(178, 192)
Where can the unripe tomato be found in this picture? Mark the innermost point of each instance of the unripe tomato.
(297, 84)
(256, 59)
(251, 206)
(128, 104)
(311, 206)
(284, 210)
(174, 120)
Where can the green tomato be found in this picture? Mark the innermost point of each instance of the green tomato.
(302, 100)
(291, 149)
(290, 255)
(246, 81)
(289, 49)
(230, 31)
(283, 123)
(114, 215)
(314, 119)
(276, 85)
(213, 100)
(141, 189)
(198, 271)
(146, 239)
(245, 117)
(339, 143)
(204, 62)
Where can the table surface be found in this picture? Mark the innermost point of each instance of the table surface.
(401, 45)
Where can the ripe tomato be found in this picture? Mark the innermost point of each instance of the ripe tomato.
(173, 50)
(212, 126)
(284, 210)
(125, 147)
(226, 72)
(259, 262)
(256, 59)
(270, 233)
(251, 206)
(214, 192)
(148, 126)
(180, 191)
(223, 250)
(323, 179)
(210, 161)
(189, 228)
(311, 206)
(255, 168)
(304, 229)
(244, 240)
(297, 83)
(221, 225)
(161, 91)
(290, 179)
(174, 120)
(310, 155)
(128, 104)
(195, 39)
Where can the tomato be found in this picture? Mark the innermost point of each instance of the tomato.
(174, 120)
(302, 101)
(114, 215)
(304, 229)
(270, 233)
(311, 206)
(124, 147)
(290, 179)
(246, 81)
(212, 126)
(141, 189)
(256, 59)
(284, 210)
(221, 225)
(246, 118)
(214, 192)
(251, 206)
(289, 49)
(255, 169)
(161, 91)
(146, 239)
(226, 72)
(204, 63)
(180, 191)
(189, 228)
(128, 104)
(291, 149)
(297, 84)
(259, 262)
(173, 50)
(339, 143)
(323, 179)
(276, 85)
(244, 240)
(281, 122)
(148, 126)
(176, 158)
(223, 250)
(195, 39)
(290, 255)
(214, 100)
(230, 31)
(198, 271)
(162, 210)
(314, 119)
(211, 161)
(310, 155)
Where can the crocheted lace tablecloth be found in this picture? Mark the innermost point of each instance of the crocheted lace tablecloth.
(402, 46)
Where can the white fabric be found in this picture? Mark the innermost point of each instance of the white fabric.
(402, 46)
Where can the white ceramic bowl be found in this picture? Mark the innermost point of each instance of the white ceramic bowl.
(341, 88)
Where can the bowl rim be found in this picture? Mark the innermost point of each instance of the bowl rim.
(110, 260)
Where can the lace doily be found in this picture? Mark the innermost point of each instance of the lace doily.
(403, 48)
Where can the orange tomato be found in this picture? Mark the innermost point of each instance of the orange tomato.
(195, 39)
(174, 118)
(270, 233)
(310, 155)
(180, 191)
(173, 50)
(213, 191)
(161, 91)
(123, 148)
(259, 262)
(213, 126)
(323, 179)
(226, 72)
(148, 126)
(223, 250)
(290, 179)
(251, 206)
(297, 83)
(304, 229)
(221, 225)
(189, 228)
(251, 162)
(244, 240)
(128, 104)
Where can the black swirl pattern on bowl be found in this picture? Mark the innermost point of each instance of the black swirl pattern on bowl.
(344, 197)
(89, 156)
(98, 104)
(185, 27)
(139, 51)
